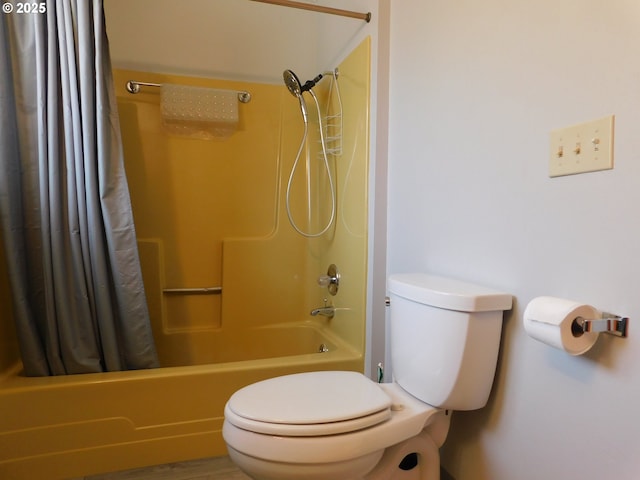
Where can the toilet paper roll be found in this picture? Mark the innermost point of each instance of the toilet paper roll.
(549, 319)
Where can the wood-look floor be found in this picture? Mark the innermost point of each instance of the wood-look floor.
(220, 468)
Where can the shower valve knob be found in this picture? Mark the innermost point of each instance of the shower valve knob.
(331, 280)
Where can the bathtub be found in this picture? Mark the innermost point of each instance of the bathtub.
(76, 425)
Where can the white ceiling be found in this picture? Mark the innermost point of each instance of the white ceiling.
(236, 39)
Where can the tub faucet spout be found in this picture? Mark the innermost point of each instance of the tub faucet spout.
(326, 311)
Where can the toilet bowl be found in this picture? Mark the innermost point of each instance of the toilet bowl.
(342, 432)
(333, 425)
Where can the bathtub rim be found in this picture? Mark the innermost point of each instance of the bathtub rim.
(12, 378)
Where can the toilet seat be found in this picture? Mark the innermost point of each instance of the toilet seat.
(309, 404)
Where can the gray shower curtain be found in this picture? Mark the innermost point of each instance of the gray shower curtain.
(66, 219)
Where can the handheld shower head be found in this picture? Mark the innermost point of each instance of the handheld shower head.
(292, 82)
(303, 108)
(296, 88)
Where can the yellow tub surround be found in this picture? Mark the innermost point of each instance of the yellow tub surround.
(201, 205)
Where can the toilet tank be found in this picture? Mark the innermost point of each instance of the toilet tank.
(445, 337)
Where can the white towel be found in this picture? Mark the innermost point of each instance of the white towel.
(197, 112)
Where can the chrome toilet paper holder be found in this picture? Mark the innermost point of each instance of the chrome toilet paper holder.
(609, 323)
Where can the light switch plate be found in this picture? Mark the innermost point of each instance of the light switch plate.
(586, 147)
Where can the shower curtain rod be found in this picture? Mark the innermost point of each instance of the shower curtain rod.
(318, 8)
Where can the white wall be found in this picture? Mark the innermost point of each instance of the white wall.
(475, 89)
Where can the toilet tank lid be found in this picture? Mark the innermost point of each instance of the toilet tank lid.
(447, 293)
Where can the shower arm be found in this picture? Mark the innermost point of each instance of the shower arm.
(309, 84)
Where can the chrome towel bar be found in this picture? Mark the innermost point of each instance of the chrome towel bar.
(134, 87)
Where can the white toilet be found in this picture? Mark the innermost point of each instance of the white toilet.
(328, 425)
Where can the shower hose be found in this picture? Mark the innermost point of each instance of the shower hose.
(326, 165)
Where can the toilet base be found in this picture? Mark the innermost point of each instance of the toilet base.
(259, 469)
(381, 465)
(426, 468)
